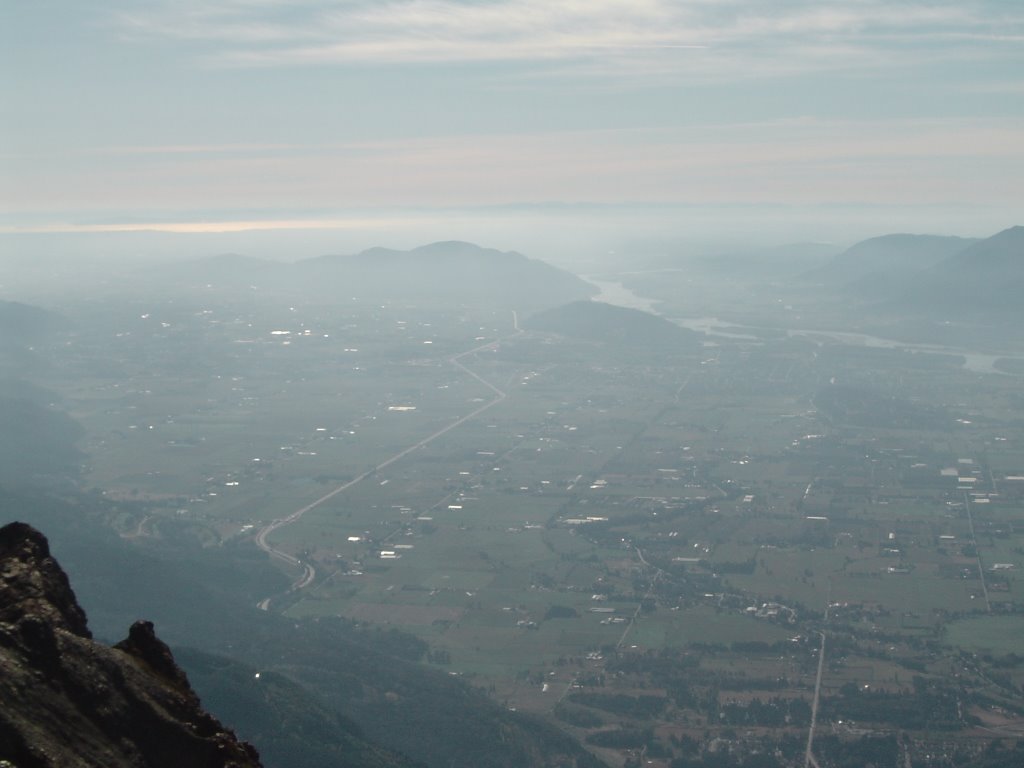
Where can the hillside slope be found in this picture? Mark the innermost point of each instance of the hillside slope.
(453, 272)
(880, 260)
(69, 700)
(347, 674)
(609, 324)
(985, 280)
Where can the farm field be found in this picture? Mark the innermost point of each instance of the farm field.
(658, 538)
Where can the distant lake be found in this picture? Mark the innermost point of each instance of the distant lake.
(621, 296)
(616, 293)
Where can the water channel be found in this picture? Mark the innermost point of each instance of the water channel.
(612, 292)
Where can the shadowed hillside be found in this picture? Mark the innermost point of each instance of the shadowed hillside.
(449, 272)
(877, 262)
(609, 324)
(71, 701)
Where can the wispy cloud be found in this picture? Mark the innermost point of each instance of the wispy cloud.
(783, 161)
(723, 33)
(216, 226)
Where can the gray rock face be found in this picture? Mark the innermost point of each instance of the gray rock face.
(68, 700)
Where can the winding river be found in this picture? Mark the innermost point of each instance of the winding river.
(616, 293)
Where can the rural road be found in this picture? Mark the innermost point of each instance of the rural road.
(809, 755)
(308, 571)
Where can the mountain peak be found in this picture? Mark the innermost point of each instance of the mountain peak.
(447, 244)
(1012, 236)
(143, 644)
(33, 584)
(449, 273)
(887, 257)
(72, 701)
(459, 248)
(1002, 254)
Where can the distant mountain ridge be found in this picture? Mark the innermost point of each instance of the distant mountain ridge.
(985, 279)
(884, 257)
(932, 277)
(452, 272)
(1002, 254)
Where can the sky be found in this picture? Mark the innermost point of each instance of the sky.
(220, 115)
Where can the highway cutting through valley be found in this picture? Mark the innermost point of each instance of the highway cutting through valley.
(308, 571)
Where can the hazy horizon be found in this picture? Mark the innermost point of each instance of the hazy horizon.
(504, 122)
(579, 238)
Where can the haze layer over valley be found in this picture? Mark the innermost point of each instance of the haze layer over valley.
(513, 384)
(762, 498)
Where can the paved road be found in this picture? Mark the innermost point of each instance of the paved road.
(977, 552)
(308, 571)
(809, 756)
(658, 573)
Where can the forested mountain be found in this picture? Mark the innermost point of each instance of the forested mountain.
(456, 272)
(453, 273)
(613, 325)
(984, 280)
(881, 260)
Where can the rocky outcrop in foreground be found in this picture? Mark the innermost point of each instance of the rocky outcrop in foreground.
(68, 700)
